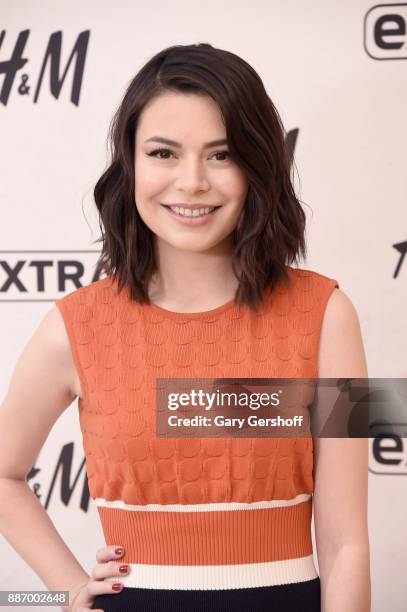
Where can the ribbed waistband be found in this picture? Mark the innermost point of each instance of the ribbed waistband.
(261, 532)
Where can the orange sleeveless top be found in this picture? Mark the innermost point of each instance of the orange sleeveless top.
(182, 507)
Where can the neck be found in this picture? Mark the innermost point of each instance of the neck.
(188, 280)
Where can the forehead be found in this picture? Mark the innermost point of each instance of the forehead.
(180, 115)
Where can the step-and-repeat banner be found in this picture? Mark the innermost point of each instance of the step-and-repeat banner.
(335, 71)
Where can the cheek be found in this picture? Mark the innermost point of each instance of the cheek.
(232, 177)
(236, 185)
(148, 179)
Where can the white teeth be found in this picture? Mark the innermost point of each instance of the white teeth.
(187, 212)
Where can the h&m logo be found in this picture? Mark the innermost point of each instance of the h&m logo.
(52, 55)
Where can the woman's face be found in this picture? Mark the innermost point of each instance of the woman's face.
(186, 172)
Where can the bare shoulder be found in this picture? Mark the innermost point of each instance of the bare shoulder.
(51, 330)
(341, 351)
(55, 329)
(52, 334)
(340, 307)
(340, 317)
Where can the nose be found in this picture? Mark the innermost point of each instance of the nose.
(192, 176)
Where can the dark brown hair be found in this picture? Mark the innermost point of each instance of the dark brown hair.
(270, 233)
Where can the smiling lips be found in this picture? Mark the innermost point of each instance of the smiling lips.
(192, 214)
(190, 206)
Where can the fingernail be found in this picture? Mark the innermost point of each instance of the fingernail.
(123, 568)
(117, 586)
(119, 551)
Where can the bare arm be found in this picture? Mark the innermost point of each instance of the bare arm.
(340, 475)
(44, 383)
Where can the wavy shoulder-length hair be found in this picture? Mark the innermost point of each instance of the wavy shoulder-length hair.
(270, 233)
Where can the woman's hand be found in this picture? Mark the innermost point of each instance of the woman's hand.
(82, 597)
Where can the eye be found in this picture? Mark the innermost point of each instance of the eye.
(222, 153)
(154, 153)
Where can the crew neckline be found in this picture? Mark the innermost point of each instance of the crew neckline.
(182, 315)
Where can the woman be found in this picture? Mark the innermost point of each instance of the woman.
(200, 224)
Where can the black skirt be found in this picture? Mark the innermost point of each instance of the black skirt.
(294, 597)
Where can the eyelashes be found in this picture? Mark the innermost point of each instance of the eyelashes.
(154, 154)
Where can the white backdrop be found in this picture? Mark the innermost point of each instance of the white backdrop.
(334, 75)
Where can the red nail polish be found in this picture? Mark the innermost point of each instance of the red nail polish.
(118, 551)
(117, 586)
(123, 568)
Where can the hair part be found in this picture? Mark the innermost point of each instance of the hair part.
(270, 234)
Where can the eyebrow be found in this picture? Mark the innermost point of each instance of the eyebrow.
(173, 143)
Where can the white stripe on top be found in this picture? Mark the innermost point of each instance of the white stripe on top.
(207, 577)
(274, 503)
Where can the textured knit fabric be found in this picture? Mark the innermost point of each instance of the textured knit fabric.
(207, 524)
